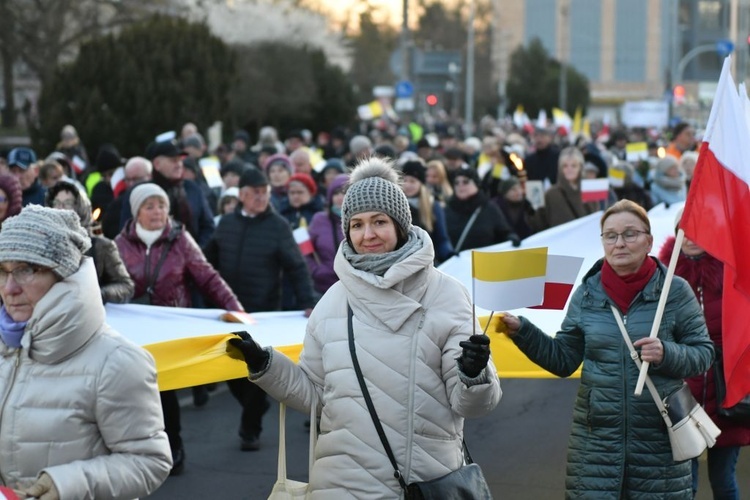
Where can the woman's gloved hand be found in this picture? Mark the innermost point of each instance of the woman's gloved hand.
(248, 350)
(43, 489)
(475, 356)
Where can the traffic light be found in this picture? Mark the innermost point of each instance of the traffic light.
(431, 100)
(678, 94)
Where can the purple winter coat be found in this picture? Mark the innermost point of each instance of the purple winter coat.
(184, 262)
(326, 235)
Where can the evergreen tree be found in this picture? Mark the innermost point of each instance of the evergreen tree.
(534, 82)
(127, 88)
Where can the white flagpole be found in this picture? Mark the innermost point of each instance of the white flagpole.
(473, 298)
(662, 303)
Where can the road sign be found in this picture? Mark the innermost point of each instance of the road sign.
(724, 47)
(404, 88)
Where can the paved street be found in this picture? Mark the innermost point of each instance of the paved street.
(520, 446)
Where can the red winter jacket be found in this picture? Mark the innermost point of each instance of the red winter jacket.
(705, 275)
(184, 262)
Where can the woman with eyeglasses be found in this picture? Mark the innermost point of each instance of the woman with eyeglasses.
(473, 221)
(80, 415)
(115, 283)
(618, 446)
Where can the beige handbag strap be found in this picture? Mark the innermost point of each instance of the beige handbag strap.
(281, 470)
(634, 356)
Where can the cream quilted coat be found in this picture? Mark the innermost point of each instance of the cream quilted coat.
(80, 402)
(407, 326)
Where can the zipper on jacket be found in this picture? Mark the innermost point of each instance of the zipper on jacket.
(412, 386)
(5, 399)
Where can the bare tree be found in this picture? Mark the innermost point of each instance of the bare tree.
(43, 33)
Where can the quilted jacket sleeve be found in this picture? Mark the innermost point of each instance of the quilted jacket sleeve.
(561, 354)
(129, 417)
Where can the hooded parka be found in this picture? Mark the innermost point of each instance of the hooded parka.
(407, 325)
(80, 402)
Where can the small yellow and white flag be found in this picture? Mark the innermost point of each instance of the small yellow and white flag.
(636, 151)
(509, 280)
(370, 110)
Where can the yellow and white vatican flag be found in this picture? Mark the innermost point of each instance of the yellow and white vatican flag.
(509, 280)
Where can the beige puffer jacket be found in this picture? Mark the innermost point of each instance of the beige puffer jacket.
(407, 326)
(80, 402)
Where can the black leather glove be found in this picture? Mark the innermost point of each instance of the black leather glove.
(246, 349)
(476, 355)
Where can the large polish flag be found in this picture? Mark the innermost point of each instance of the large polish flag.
(717, 218)
(508, 280)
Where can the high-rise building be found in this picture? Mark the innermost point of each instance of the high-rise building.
(628, 49)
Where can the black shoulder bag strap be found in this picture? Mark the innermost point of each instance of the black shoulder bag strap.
(467, 228)
(370, 406)
(162, 258)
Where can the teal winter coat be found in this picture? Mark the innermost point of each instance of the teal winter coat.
(618, 446)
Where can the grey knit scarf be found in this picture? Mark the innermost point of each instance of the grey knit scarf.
(379, 263)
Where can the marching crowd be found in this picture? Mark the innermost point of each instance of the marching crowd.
(377, 213)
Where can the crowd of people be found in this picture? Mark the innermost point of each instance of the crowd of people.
(380, 210)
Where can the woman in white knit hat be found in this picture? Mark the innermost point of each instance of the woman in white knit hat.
(80, 414)
(163, 259)
(411, 328)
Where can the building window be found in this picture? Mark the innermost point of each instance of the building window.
(710, 14)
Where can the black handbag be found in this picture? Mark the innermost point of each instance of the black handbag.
(739, 412)
(466, 483)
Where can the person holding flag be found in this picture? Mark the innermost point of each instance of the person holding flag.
(563, 202)
(409, 326)
(619, 446)
(705, 275)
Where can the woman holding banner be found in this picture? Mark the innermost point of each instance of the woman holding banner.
(410, 327)
(619, 447)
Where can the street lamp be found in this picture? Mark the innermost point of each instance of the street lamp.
(453, 86)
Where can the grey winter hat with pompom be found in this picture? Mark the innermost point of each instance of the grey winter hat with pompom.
(374, 186)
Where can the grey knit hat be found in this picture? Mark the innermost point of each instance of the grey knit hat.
(46, 237)
(374, 186)
(142, 192)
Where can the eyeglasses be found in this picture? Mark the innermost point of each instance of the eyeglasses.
(68, 204)
(22, 275)
(628, 236)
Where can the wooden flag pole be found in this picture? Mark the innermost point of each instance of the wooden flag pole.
(662, 303)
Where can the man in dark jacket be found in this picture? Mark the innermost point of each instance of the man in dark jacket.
(541, 165)
(251, 248)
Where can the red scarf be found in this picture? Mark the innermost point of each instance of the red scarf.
(623, 289)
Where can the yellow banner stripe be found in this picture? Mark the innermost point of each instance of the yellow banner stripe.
(506, 266)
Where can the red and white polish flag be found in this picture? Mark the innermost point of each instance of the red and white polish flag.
(302, 237)
(562, 272)
(7, 493)
(594, 189)
(717, 218)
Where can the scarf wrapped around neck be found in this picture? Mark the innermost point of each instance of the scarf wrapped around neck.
(379, 263)
(11, 331)
(623, 289)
